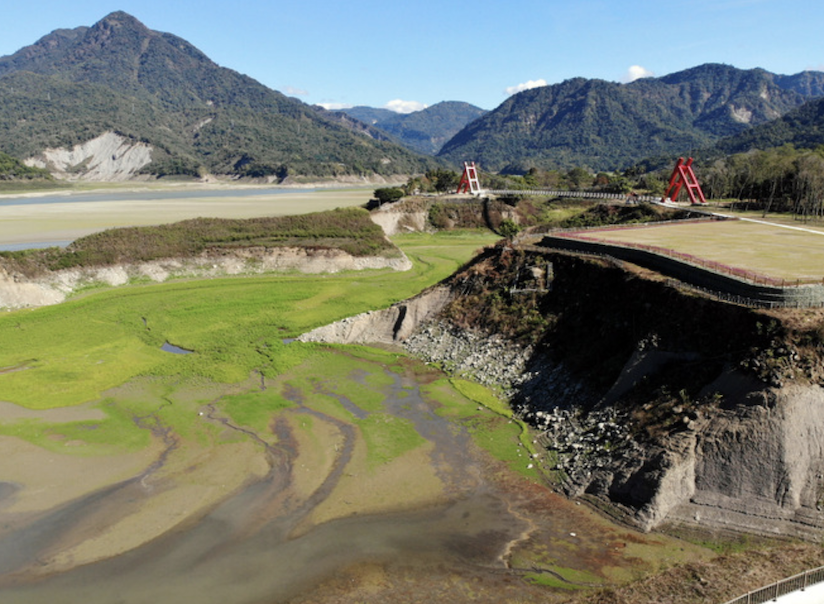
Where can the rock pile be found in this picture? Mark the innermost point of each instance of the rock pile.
(490, 360)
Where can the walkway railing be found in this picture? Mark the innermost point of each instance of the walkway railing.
(772, 592)
(575, 194)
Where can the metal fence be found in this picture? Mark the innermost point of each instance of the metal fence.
(772, 592)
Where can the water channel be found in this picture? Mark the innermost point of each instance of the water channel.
(246, 551)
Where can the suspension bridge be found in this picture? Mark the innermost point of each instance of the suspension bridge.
(682, 178)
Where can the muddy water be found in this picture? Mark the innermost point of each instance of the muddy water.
(243, 551)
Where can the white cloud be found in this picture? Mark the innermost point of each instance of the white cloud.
(525, 86)
(636, 72)
(333, 106)
(400, 106)
(292, 91)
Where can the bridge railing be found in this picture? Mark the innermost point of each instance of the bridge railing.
(771, 592)
(576, 194)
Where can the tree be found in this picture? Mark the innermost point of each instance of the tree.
(508, 228)
(443, 180)
(579, 178)
(388, 194)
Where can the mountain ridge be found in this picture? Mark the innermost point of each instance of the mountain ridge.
(606, 126)
(119, 76)
(424, 131)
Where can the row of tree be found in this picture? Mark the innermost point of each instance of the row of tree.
(781, 179)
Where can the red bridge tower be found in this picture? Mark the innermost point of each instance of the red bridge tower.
(683, 176)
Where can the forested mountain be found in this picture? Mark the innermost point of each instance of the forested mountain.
(605, 125)
(368, 115)
(423, 131)
(76, 84)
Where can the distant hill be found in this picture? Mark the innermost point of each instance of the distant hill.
(74, 85)
(369, 115)
(423, 131)
(605, 125)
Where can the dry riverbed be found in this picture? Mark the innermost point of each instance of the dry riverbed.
(59, 217)
(346, 493)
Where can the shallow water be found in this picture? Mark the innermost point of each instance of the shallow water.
(174, 349)
(149, 194)
(243, 551)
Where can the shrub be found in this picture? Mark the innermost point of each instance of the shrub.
(388, 194)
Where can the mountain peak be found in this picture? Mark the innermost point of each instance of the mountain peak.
(120, 18)
(120, 76)
(116, 28)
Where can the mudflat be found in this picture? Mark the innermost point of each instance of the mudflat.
(255, 469)
(38, 219)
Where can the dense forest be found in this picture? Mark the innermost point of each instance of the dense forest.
(779, 179)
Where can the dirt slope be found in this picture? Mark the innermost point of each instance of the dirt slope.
(664, 406)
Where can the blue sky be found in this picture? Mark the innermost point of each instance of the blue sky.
(406, 55)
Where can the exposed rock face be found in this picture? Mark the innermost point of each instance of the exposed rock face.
(742, 448)
(108, 158)
(17, 291)
(394, 219)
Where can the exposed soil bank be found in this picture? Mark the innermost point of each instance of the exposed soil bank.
(17, 291)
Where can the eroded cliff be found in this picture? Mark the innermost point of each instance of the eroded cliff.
(18, 290)
(663, 405)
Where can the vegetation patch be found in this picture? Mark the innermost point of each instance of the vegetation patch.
(388, 437)
(255, 409)
(611, 214)
(347, 229)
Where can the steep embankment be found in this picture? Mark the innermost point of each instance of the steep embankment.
(338, 240)
(53, 287)
(661, 404)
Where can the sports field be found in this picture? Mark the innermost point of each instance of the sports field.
(773, 250)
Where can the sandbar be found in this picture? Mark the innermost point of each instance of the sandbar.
(60, 222)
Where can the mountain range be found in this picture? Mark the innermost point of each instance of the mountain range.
(604, 125)
(118, 90)
(155, 88)
(424, 131)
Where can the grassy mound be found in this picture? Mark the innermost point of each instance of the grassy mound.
(348, 229)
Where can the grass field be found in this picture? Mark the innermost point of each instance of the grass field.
(68, 354)
(771, 250)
